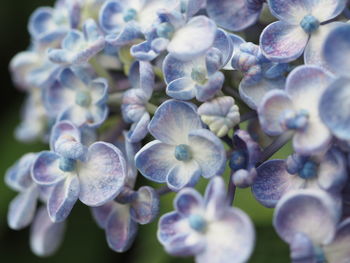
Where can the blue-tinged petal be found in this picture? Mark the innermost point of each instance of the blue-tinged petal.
(230, 239)
(325, 10)
(155, 160)
(208, 151)
(160, 44)
(188, 201)
(102, 175)
(168, 226)
(337, 251)
(291, 12)
(301, 249)
(139, 130)
(193, 6)
(273, 181)
(311, 212)
(232, 15)
(236, 42)
(127, 35)
(336, 55)
(174, 68)
(143, 51)
(102, 213)
(183, 174)
(334, 108)
(91, 31)
(332, 174)
(211, 87)
(271, 110)
(60, 56)
(146, 206)
(121, 230)
(141, 76)
(69, 79)
(63, 197)
(185, 244)
(223, 43)
(22, 208)
(46, 169)
(99, 91)
(193, 39)
(282, 42)
(253, 94)
(40, 21)
(111, 16)
(173, 120)
(215, 198)
(181, 89)
(45, 236)
(18, 176)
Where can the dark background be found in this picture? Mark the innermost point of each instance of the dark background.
(84, 241)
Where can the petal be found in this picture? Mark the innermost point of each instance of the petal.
(181, 89)
(102, 175)
(121, 230)
(185, 245)
(62, 198)
(139, 130)
(231, 239)
(143, 51)
(326, 9)
(253, 94)
(213, 85)
(45, 236)
(336, 55)
(111, 16)
(215, 198)
(311, 212)
(188, 201)
(208, 151)
(183, 174)
(167, 226)
(281, 42)
(224, 44)
(271, 110)
(174, 68)
(102, 213)
(22, 208)
(301, 249)
(232, 15)
(193, 39)
(155, 160)
(127, 35)
(46, 169)
(273, 181)
(291, 11)
(146, 206)
(141, 76)
(334, 108)
(173, 120)
(338, 251)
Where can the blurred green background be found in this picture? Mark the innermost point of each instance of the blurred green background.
(84, 241)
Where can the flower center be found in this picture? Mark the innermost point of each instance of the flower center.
(197, 222)
(309, 24)
(83, 98)
(296, 121)
(319, 255)
(130, 14)
(238, 160)
(309, 170)
(199, 75)
(165, 30)
(66, 164)
(183, 152)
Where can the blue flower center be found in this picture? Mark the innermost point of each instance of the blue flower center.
(296, 121)
(183, 152)
(197, 222)
(165, 30)
(83, 98)
(309, 24)
(67, 164)
(238, 160)
(309, 170)
(130, 14)
(199, 75)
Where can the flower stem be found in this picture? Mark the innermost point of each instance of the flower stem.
(151, 108)
(163, 190)
(115, 98)
(248, 116)
(231, 191)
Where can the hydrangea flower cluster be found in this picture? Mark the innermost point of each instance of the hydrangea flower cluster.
(161, 90)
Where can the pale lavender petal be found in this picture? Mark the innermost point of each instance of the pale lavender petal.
(102, 213)
(188, 201)
(291, 11)
(183, 174)
(102, 175)
(211, 87)
(181, 89)
(282, 42)
(215, 198)
(167, 226)
(325, 10)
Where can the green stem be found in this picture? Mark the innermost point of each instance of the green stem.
(101, 71)
(115, 99)
(151, 108)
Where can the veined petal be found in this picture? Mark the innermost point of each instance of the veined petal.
(188, 201)
(181, 89)
(215, 198)
(183, 174)
(282, 42)
(291, 11)
(325, 10)
(102, 175)
(102, 213)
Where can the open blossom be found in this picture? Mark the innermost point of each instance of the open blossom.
(207, 226)
(183, 151)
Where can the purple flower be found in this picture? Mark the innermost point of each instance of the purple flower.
(300, 20)
(296, 109)
(308, 221)
(95, 175)
(207, 228)
(183, 151)
(77, 98)
(278, 177)
(79, 47)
